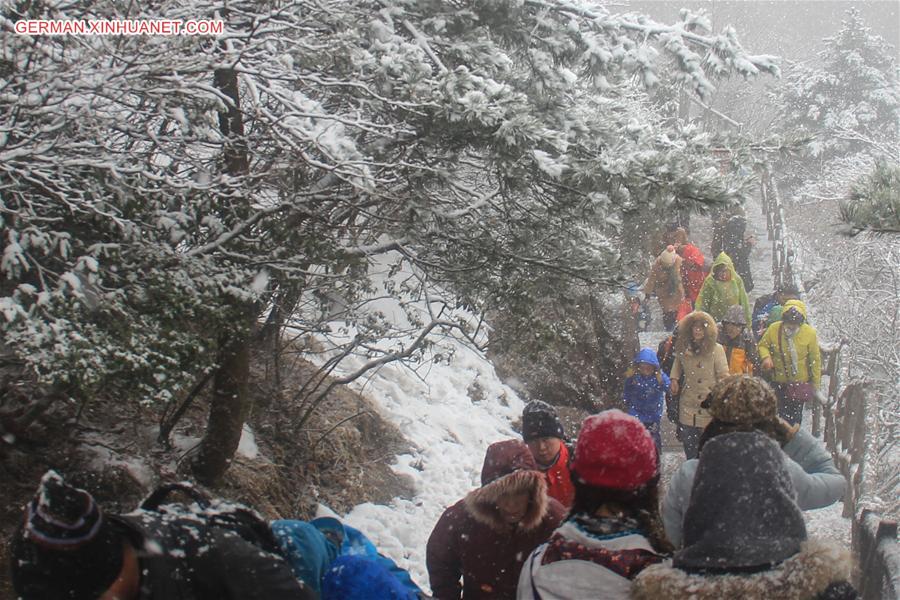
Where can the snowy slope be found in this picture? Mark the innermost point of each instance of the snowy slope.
(449, 430)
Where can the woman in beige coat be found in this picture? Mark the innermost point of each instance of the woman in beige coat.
(665, 281)
(699, 363)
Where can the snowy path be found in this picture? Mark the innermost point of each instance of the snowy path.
(826, 523)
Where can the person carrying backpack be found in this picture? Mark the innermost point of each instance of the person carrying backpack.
(613, 531)
(339, 561)
(665, 282)
(68, 547)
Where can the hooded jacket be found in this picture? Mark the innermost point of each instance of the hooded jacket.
(816, 481)
(809, 358)
(716, 296)
(311, 548)
(471, 541)
(693, 272)
(820, 571)
(746, 539)
(644, 395)
(665, 281)
(701, 369)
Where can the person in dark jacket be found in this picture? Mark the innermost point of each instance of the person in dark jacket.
(645, 392)
(484, 538)
(665, 354)
(733, 241)
(68, 547)
(762, 309)
(545, 436)
(744, 536)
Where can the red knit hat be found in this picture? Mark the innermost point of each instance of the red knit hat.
(614, 450)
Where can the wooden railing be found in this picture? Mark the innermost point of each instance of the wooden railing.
(782, 251)
(839, 417)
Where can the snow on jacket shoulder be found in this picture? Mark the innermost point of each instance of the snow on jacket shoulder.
(818, 572)
(185, 559)
(578, 564)
(817, 481)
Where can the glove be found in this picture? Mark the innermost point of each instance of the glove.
(672, 408)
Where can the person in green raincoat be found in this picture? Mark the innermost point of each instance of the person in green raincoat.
(722, 289)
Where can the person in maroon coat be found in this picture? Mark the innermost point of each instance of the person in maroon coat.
(485, 538)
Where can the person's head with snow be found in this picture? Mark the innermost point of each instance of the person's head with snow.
(733, 322)
(484, 538)
(543, 432)
(67, 547)
(616, 473)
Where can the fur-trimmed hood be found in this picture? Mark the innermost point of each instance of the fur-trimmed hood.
(803, 576)
(683, 340)
(481, 503)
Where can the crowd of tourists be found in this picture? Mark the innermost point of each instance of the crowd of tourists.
(552, 519)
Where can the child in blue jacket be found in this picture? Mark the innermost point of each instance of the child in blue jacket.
(645, 392)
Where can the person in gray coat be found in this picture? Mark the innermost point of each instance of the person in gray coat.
(745, 403)
(744, 536)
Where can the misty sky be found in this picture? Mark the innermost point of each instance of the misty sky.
(789, 28)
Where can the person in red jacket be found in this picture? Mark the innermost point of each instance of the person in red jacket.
(485, 538)
(544, 434)
(693, 269)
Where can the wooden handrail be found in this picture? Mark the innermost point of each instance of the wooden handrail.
(842, 410)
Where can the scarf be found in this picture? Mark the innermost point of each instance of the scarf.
(792, 348)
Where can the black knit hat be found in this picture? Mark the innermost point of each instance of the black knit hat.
(539, 419)
(742, 513)
(65, 547)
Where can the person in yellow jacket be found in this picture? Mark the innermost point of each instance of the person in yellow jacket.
(789, 350)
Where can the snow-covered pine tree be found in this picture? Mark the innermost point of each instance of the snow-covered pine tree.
(488, 146)
(850, 101)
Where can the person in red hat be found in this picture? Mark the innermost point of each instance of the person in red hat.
(484, 538)
(614, 530)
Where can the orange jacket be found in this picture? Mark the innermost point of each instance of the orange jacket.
(559, 479)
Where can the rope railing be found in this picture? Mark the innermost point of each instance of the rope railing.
(839, 418)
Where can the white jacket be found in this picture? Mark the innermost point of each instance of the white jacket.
(577, 564)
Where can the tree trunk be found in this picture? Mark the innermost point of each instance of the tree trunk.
(230, 404)
(228, 409)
